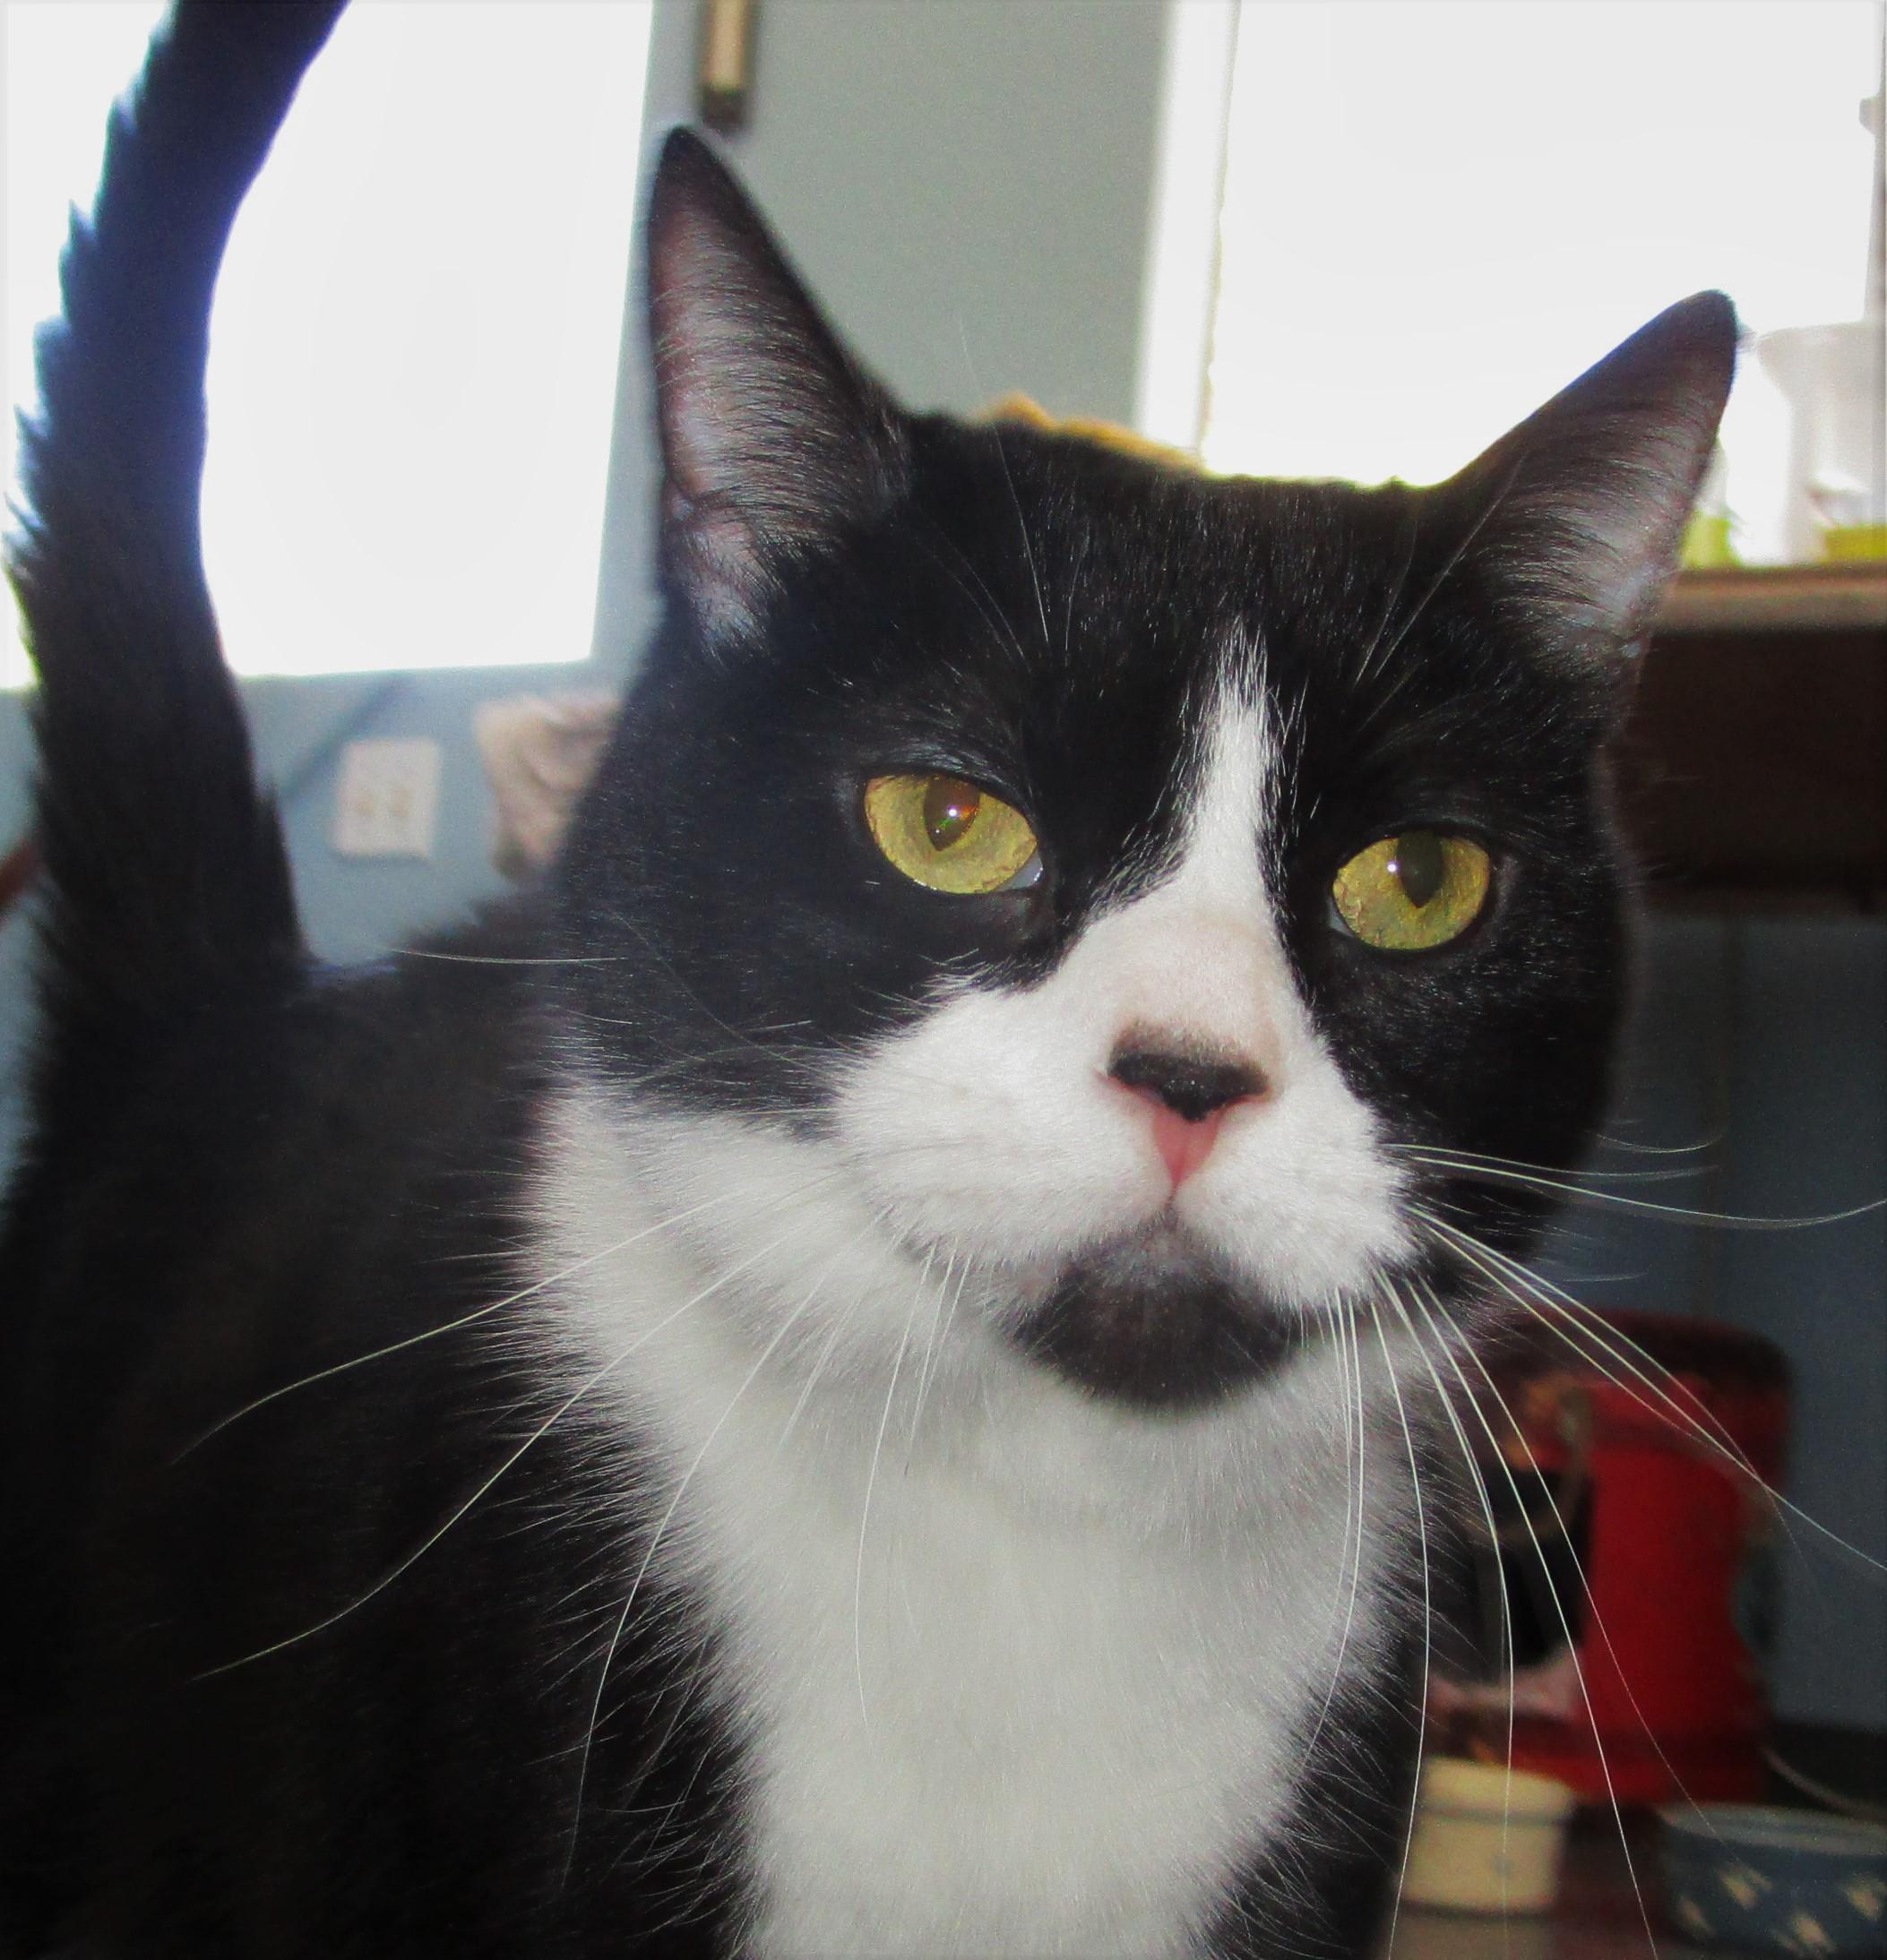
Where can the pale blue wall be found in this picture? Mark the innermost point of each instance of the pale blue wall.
(968, 185)
(1766, 1041)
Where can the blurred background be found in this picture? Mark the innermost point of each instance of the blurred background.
(1355, 239)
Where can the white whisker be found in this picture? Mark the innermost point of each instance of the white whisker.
(516, 1455)
(1564, 1188)
(1415, 1486)
(506, 959)
(655, 1540)
(1356, 1429)
(864, 1513)
(1585, 1322)
(930, 1356)
(1508, 1645)
(464, 1319)
(1539, 1551)
(1565, 1532)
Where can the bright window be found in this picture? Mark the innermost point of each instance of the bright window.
(1436, 214)
(417, 339)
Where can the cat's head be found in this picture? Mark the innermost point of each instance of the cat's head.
(1107, 885)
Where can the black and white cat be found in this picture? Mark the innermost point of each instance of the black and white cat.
(848, 1378)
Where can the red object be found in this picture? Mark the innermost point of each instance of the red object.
(1678, 1525)
(16, 871)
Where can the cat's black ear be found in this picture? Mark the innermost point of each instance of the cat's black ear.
(774, 440)
(1576, 516)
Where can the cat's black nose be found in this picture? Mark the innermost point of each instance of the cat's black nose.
(1192, 1086)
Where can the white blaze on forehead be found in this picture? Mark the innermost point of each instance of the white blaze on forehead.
(1197, 958)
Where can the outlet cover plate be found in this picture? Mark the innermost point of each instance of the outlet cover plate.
(387, 805)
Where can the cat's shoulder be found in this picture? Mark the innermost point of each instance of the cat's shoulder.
(341, 1135)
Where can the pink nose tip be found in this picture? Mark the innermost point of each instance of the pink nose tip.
(1184, 1145)
(1188, 1091)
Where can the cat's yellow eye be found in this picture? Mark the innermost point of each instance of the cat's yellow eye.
(948, 833)
(1405, 894)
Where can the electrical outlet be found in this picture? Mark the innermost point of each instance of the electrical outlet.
(388, 802)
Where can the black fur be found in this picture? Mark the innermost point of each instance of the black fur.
(313, 1681)
(140, 733)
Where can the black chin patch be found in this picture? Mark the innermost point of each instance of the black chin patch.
(1153, 1324)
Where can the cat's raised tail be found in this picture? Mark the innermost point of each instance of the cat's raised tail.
(164, 872)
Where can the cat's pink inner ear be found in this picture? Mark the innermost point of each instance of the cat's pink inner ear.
(1579, 514)
(773, 438)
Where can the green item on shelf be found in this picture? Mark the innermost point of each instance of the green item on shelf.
(1846, 542)
(1707, 545)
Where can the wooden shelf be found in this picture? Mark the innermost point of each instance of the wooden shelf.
(1754, 765)
(1778, 598)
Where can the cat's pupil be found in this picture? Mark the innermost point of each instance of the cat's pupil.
(950, 808)
(1420, 866)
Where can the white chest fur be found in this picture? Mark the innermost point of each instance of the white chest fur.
(995, 1734)
(1017, 1674)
